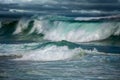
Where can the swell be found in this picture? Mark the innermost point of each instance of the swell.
(58, 29)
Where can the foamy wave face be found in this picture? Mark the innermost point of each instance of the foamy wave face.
(70, 31)
(82, 32)
(22, 25)
(58, 30)
(52, 53)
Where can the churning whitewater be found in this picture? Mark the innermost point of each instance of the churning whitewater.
(61, 29)
(58, 30)
(29, 52)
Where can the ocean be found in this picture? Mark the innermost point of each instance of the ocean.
(59, 40)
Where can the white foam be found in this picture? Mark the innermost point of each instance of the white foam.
(87, 11)
(97, 18)
(78, 32)
(38, 27)
(16, 10)
(50, 53)
(70, 31)
(22, 25)
(25, 11)
(94, 12)
(117, 32)
(53, 53)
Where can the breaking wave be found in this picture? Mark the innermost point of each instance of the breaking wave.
(51, 53)
(60, 28)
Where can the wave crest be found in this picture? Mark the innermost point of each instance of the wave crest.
(52, 53)
(56, 30)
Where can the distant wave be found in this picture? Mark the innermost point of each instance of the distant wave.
(25, 11)
(89, 12)
(117, 17)
(95, 12)
(64, 18)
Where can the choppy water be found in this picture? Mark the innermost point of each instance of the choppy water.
(90, 67)
(59, 40)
